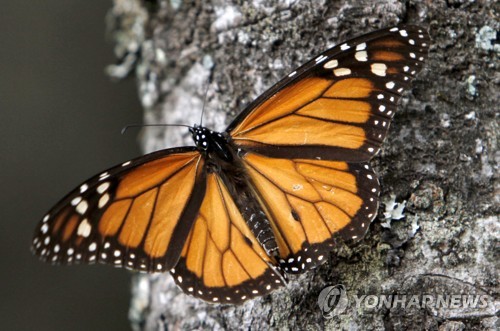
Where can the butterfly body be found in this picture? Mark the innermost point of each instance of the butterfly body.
(271, 195)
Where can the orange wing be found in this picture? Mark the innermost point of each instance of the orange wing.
(222, 261)
(136, 215)
(311, 202)
(338, 106)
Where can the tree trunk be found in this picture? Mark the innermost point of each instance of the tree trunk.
(440, 157)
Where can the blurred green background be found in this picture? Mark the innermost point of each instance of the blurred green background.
(60, 121)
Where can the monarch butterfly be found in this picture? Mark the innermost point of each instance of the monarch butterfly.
(233, 215)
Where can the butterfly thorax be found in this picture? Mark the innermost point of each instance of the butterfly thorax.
(211, 142)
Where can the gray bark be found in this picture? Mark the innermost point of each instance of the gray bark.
(441, 155)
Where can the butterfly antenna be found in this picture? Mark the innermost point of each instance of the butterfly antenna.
(126, 127)
(204, 101)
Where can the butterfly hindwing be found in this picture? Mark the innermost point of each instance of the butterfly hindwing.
(135, 215)
(222, 261)
(310, 203)
(339, 105)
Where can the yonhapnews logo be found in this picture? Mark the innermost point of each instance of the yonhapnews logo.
(333, 301)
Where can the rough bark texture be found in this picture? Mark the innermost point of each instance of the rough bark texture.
(441, 155)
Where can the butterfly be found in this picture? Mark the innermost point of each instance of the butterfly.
(231, 216)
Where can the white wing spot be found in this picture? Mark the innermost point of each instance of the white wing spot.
(320, 257)
(103, 200)
(46, 241)
(412, 55)
(102, 188)
(179, 279)
(361, 56)
(345, 47)
(82, 207)
(379, 69)
(380, 96)
(104, 175)
(46, 218)
(411, 42)
(56, 248)
(45, 228)
(394, 29)
(126, 163)
(403, 33)
(381, 108)
(361, 47)
(92, 247)
(370, 149)
(293, 73)
(342, 72)
(76, 201)
(84, 228)
(83, 188)
(320, 58)
(104, 255)
(70, 251)
(106, 245)
(390, 85)
(331, 64)
(117, 253)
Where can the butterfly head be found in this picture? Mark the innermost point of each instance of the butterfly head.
(201, 137)
(211, 142)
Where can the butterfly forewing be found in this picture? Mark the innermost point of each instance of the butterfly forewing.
(339, 105)
(135, 215)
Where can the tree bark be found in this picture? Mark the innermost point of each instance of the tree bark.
(441, 155)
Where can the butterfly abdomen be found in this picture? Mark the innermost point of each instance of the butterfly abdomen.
(238, 183)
